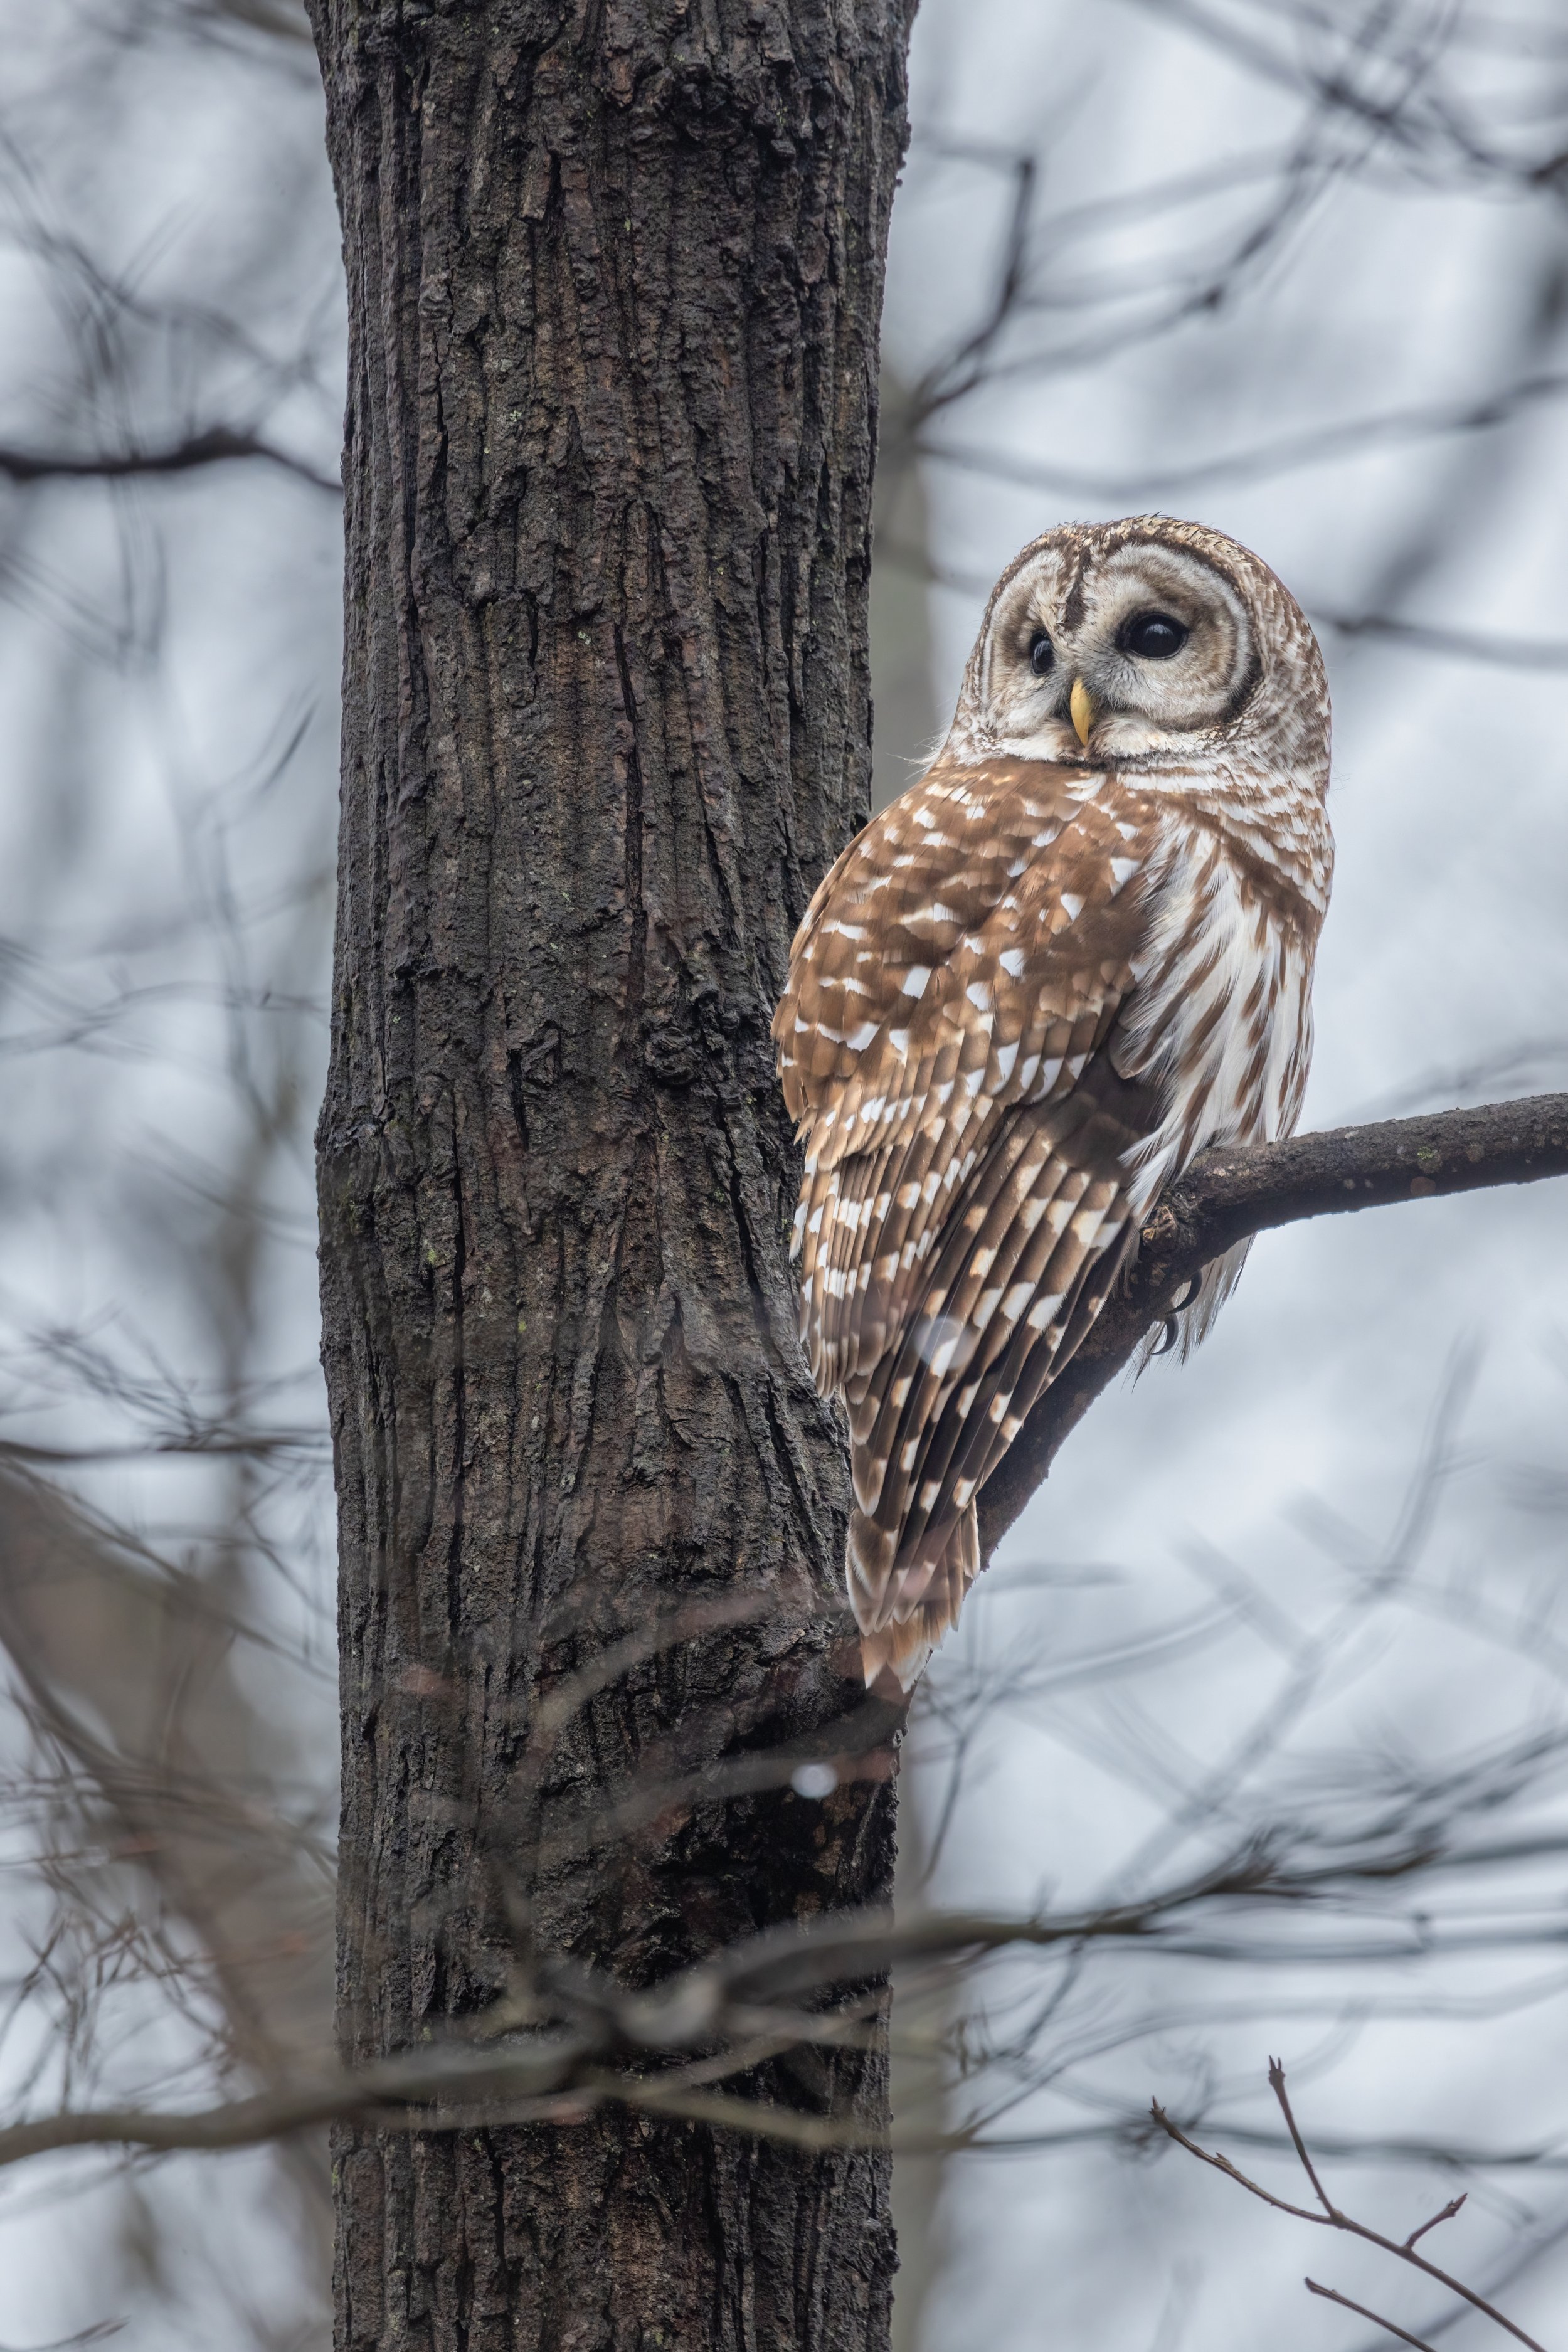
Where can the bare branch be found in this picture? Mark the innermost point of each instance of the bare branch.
(635, 1649)
(528, 2074)
(1277, 2085)
(1269, 460)
(1333, 2294)
(217, 1446)
(712, 2006)
(1453, 645)
(1332, 2218)
(1228, 1196)
(220, 445)
(1447, 2213)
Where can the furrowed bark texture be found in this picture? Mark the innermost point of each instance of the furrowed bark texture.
(615, 275)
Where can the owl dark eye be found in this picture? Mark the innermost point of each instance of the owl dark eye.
(1155, 637)
(1042, 653)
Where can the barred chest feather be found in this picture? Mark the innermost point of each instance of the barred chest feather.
(1219, 1018)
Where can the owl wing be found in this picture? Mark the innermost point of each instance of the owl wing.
(947, 1045)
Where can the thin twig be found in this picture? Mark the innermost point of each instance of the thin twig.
(700, 2010)
(1332, 2218)
(219, 445)
(1447, 2213)
(1333, 2294)
(1277, 2085)
(635, 1649)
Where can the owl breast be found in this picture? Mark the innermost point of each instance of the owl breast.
(1219, 1022)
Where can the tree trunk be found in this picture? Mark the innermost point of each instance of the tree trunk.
(614, 277)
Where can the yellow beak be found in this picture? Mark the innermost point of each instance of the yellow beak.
(1080, 709)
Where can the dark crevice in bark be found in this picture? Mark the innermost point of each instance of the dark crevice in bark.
(459, 1422)
(637, 954)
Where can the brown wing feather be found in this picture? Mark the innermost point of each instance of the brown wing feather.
(945, 1046)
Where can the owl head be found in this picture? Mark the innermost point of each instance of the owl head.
(1148, 644)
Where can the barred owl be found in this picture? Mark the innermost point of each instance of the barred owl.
(1072, 955)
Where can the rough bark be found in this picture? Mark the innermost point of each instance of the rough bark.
(615, 276)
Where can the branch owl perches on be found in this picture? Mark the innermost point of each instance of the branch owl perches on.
(1075, 954)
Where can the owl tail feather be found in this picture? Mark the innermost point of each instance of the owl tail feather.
(897, 1651)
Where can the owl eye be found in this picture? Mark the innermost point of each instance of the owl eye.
(1153, 635)
(1042, 653)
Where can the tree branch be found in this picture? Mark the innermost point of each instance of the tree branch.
(527, 2070)
(1228, 1196)
(1456, 644)
(219, 445)
(1333, 2294)
(1333, 2217)
(399, 2087)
